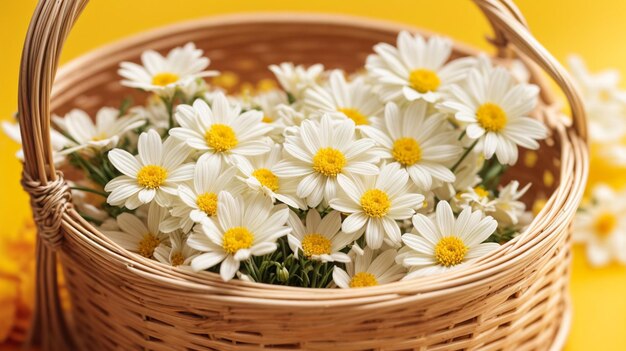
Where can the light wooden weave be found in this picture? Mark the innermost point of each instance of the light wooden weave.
(515, 299)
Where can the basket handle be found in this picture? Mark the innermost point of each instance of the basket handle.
(47, 32)
(510, 30)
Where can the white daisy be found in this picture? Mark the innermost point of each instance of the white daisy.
(508, 208)
(601, 226)
(296, 79)
(369, 269)
(321, 152)
(259, 175)
(375, 203)
(496, 110)
(101, 135)
(444, 242)
(163, 75)
(321, 239)
(418, 142)
(138, 234)
(197, 202)
(416, 68)
(240, 231)
(153, 174)
(155, 112)
(222, 130)
(176, 252)
(340, 99)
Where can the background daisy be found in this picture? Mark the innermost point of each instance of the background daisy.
(601, 225)
(175, 252)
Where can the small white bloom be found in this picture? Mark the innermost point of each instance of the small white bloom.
(444, 242)
(101, 135)
(508, 208)
(259, 175)
(295, 79)
(416, 68)
(321, 239)
(176, 252)
(601, 226)
(495, 110)
(163, 75)
(375, 203)
(197, 202)
(222, 130)
(322, 152)
(369, 269)
(241, 230)
(477, 198)
(153, 174)
(137, 234)
(340, 99)
(418, 142)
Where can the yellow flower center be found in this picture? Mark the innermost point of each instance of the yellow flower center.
(355, 115)
(328, 161)
(362, 280)
(605, 224)
(267, 119)
(99, 137)
(266, 178)
(237, 238)
(315, 244)
(164, 78)
(424, 80)
(407, 151)
(177, 259)
(481, 192)
(375, 203)
(221, 137)
(147, 244)
(151, 176)
(491, 117)
(450, 251)
(207, 203)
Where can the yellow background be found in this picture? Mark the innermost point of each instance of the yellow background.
(596, 29)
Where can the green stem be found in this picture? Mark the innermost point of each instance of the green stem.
(90, 190)
(467, 151)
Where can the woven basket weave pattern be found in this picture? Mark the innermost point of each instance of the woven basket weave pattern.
(515, 299)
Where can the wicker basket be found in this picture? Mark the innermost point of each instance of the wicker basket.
(515, 299)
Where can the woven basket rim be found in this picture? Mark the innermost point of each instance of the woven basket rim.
(461, 278)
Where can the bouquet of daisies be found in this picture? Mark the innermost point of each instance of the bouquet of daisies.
(328, 179)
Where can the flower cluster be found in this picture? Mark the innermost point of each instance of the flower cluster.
(329, 180)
